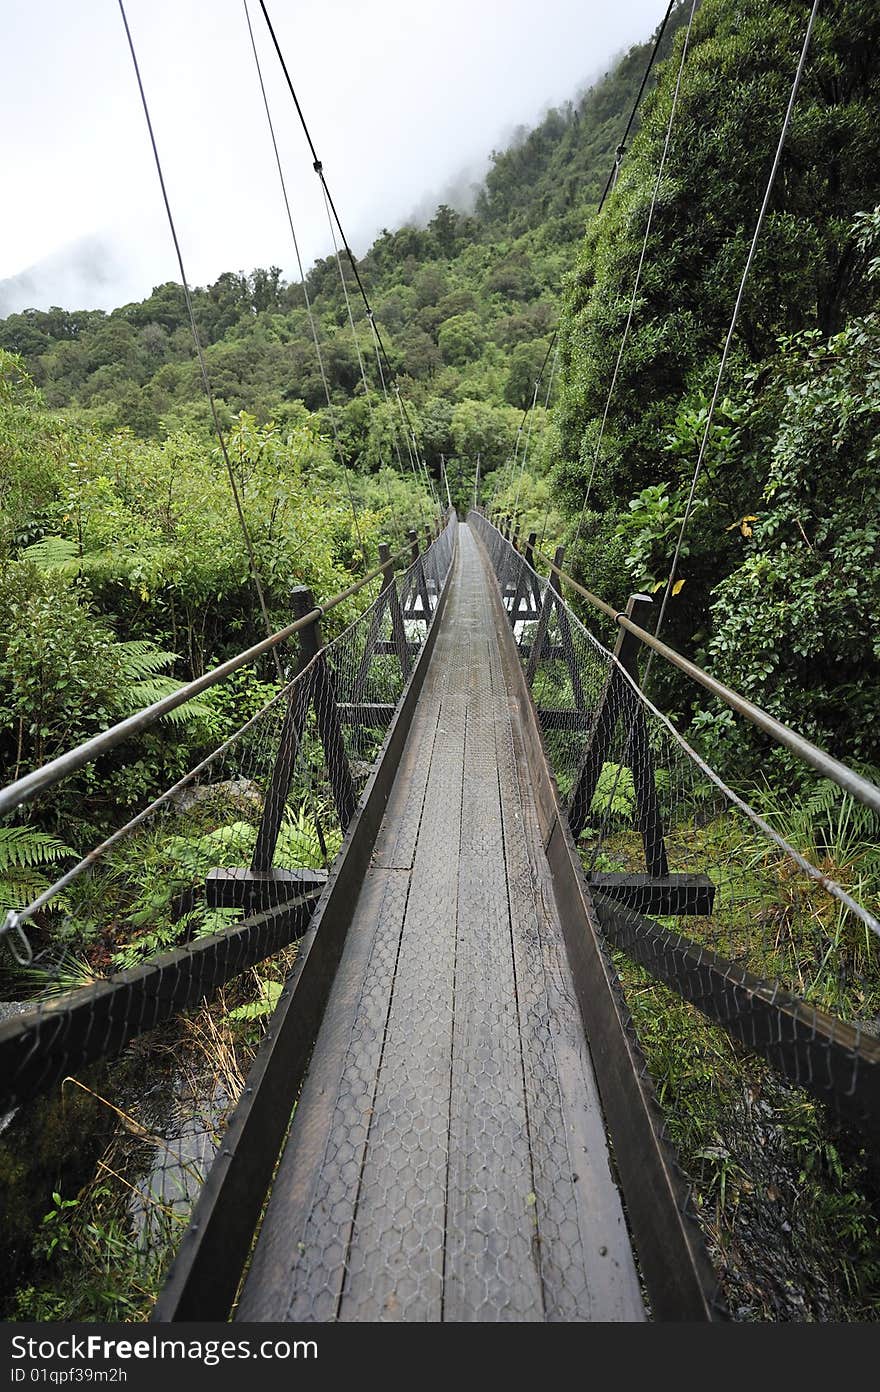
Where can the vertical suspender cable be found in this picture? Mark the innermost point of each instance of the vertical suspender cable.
(733, 321)
(309, 311)
(638, 277)
(319, 170)
(199, 351)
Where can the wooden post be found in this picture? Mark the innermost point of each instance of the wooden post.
(523, 586)
(627, 651)
(418, 579)
(551, 596)
(398, 629)
(534, 589)
(288, 746)
(577, 688)
(316, 686)
(375, 627)
(328, 721)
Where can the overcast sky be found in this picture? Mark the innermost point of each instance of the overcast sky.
(405, 100)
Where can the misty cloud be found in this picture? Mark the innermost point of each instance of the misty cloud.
(405, 103)
(85, 274)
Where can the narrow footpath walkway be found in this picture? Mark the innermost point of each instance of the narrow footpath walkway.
(447, 1158)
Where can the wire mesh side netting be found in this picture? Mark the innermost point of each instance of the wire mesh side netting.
(157, 964)
(749, 958)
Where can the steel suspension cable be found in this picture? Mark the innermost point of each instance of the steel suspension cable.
(621, 149)
(357, 346)
(206, 383)
(522, 467)
(319, 170)
(609, 185)
(308, 303)
(638, 278)
(733, 321)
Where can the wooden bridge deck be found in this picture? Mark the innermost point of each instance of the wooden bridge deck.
(447, 1159)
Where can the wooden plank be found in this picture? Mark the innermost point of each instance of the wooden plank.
(396, 841)
(298, 1268)
(206, 1272)
(490, 1271)
(583, 1250)
(403, 1185)
(672, 1256)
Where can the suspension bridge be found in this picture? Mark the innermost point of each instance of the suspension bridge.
(450, 824)
(474, 1133)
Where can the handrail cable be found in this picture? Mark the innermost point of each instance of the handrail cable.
(734, 317)
(26, 788)
(206, 383)
(825, 764)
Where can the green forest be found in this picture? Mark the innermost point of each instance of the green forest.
(123, 570)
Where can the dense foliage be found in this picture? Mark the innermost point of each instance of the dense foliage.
(781, 584)
(123, 569)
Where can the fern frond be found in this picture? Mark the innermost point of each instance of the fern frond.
(23, 847)
(55, 553)
(20, 888)
(141, 658)
(148, 690)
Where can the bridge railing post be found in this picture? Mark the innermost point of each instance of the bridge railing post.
(292, 727)
(551, 596)
(318, 688)
(386, 598)
(534, 589)
(419, 584)
(522, 588)
(627, 650)
(618, 700)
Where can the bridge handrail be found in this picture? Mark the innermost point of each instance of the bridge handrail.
(27, 787)
(825, 764)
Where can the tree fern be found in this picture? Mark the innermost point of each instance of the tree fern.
(55, 553)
